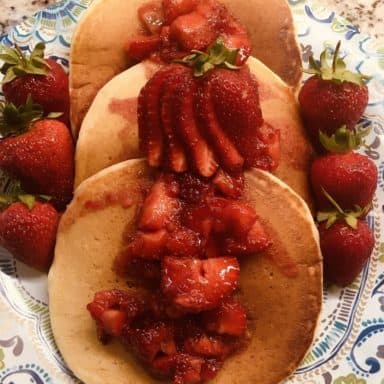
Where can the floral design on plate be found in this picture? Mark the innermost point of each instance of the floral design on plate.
(348, 347)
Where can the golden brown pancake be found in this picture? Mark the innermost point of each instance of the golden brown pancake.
(97, 50)
(282, 287)
(109, 133)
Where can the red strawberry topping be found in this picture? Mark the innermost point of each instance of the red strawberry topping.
(197, 285)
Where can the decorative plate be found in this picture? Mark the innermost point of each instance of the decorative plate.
(349, 343)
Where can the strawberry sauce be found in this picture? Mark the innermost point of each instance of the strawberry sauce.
(200, 132)
(126, 108)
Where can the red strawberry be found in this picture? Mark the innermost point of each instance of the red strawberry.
(333, 97)
(196, 285)
(140, 47)
(160, 206)
(229, 185)
(199, 219)
(176, 159)
(41, 156)
(229, 318)
(28, 230)
(43, 79)
(193, 31)
(193, 189)
(149, 121)
(151, 16)
(174, 8)
(184, 243)
(345, 250)
(201, 155)
(350, 179)
(150, 339)
(231, 217)
(346, 242)
(236, 100)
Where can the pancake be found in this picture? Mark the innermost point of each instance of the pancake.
(109, 133)
(97, 49)
(282, 287)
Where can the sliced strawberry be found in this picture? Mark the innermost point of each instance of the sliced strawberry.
(202, 157)
(152, 17)
(184, 243)
(229, 318)
(210, 369)
(141, 46)
(174, 8)
(197, 285)
(255, 241)
(229, 185)
(226, 152)
(150, 132)
(150, 339)
(176, 156)
(160, 206)
(236, 101)
(232, 217)
(193, 31)
(188, 369)
(208, 346)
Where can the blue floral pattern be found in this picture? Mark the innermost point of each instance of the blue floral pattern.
(348, 347)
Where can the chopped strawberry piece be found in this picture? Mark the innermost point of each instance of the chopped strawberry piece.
(148, 114)
(112, 310)
(188, 369)
(202, 157)
(184, 243)
(149, 340)
(232, 217)
(169, 49)
(240, 41)
(141, 46)
(208, 346)
(198, 218)
(112, 321)
(224, 149)
(197, 285)
(160, 206)
(148, 245)
(143, 269)
(193, 31)
(151, 17)
(255, 241)
(161, 309)
(193, 188)
(176, 157)
(229, 185)
(229, 318)
(174, 8)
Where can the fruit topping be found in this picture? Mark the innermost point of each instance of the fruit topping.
(185, 25)
(333, 97)
(350, 178)
(28, 229)
(33, 75)
(37, 151)
(161, 205)
(197, 285)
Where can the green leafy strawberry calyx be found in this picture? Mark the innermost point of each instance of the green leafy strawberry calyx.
(18, 195)
(344, 140)
(337, 72)
(17, 120)
(217, 55)
(17, 64)
(349, 216)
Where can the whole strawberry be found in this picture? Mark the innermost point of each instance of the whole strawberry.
(28, 230)
(350, 178)
(333, 97)
(43, 79)
(40, 153)
(345, 250)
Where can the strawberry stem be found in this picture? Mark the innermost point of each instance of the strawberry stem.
(335, 56)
